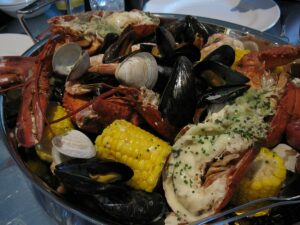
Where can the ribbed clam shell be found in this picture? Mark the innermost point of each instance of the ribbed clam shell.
(74, 144)
(70, 60)
(138, 70)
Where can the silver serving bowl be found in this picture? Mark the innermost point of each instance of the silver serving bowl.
(62, 210)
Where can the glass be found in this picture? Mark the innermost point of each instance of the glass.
(109, 5)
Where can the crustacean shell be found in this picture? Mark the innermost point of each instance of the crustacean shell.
(70, 60)
(138, 70)
(72, 144)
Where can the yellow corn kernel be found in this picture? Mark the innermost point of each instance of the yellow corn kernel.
(263, 179)
(43, 149)
(144, 153)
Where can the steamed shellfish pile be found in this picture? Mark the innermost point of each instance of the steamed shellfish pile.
(153, 120)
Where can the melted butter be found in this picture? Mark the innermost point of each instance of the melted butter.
(233, 128)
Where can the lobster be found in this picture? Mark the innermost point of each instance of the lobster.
(201, 176)
(33, 77)
(118, 103)
(254, 65)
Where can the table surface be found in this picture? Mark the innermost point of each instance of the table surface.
(18, 206)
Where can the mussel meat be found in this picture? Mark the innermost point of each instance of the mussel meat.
(225, 54)
(109, 193)
(168, 50)
(221, 71)
(196, 29)
(120, 48)
(90, 176)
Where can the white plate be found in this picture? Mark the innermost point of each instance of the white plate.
(14, 44)
(257, 14)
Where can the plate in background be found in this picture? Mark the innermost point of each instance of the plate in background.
(14, 44)
(256, 14)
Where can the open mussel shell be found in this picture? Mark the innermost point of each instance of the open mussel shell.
(194, 27)
(165, 42)
(94, 175)
(120, 48)
(190, 51)
(132, 206)
(178, 100)
(109, 39)
(222, 94)
(231, 77)
(138, 70)
(70, 60)
(225, 54)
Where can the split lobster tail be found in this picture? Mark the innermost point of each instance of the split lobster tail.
(31, 118)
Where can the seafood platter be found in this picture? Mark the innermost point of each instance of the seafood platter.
(136, 118)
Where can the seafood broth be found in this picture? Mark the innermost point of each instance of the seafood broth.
(95, 208)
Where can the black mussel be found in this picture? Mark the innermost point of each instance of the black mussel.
(217, 69)
(222, 94)
(164, 74)
(177, 29)
(195, 28)
(178, 100)
(190, 51)
(225, 54)
(57, 84)
(93, 175)
(165, 42)
(295, 69)
(201, 86)
(147, 47)
(109, 39)
(120, 48)
(132, 206)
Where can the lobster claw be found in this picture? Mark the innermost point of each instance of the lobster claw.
(154, 118)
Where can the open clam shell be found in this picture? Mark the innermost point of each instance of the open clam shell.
(72, 144)
(138, 70)
(70, 60)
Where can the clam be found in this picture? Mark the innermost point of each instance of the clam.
(70, 60)
(138, 70)
(72, 144)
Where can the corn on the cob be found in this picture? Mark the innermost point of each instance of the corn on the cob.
(43, 149)
(138, 149)
(263, 179)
